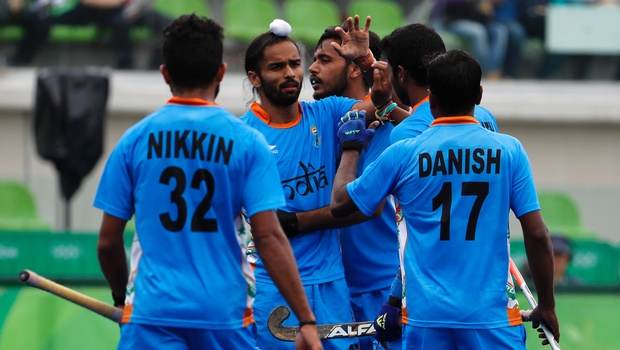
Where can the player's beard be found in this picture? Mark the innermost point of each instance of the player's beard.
(338, 89)
(401, 92)
(274, 93)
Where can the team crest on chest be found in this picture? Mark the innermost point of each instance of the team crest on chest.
(315, 133)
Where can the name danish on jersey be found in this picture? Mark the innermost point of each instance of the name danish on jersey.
(459, 161)
(189, 144)
(359, 330)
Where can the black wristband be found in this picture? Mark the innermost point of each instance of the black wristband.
(351, 145)
(305, 322)
(288, 221)
(394, 301)
(118, 301)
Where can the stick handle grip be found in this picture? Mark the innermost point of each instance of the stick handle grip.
(32, 279)
(514, 271)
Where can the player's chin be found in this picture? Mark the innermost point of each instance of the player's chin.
(319, 94)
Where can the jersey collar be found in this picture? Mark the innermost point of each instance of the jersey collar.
(425, 99)
(465, 119)
(264, 116)
(190, 101)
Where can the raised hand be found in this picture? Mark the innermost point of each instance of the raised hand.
(355, 43)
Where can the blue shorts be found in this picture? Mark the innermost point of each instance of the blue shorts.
(366, 307)
(505, 338)
(329, 302)
(143, 336)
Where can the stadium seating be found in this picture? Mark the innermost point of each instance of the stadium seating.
(246, 19)
(595, 263)
(562, 215)
(386, 15)
(309, 18)
(18, 209)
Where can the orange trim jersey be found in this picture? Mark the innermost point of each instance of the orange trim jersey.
(456, 183)
(186, 171)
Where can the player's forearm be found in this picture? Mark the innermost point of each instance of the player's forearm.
(277, 256)
(113, 262)
(341, 204)
(323, 219)
(540, 258)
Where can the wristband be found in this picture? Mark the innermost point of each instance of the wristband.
(118, 301)
(383, 114)
(369, 57)
(305, 322)
(351, 145)
(288, 221)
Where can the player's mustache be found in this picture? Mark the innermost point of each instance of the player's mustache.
(289, 83)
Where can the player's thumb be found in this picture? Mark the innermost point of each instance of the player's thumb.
(372, 128)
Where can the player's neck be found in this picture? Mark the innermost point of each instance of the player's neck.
(280, 114)
(356, 91)
(417, 94)
(207, 94)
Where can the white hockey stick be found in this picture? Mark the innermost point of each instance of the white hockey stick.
(514, 271)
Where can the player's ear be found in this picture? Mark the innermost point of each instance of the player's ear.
(354, 70)
(254, 79)
(164, 72)
(479, 96)
(401, 75)
(220, 72)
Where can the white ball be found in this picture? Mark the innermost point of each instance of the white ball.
(280, 27)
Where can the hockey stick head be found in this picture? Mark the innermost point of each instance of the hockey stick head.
(276, 326)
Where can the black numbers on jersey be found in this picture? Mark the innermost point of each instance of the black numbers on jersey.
(443, 200)
(199, 223)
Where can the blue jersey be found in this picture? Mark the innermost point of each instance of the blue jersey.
(305, 151)
(456, 183)
(186, 171)
(421, 118)
(370, 249)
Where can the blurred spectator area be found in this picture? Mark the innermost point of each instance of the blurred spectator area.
(571, 29)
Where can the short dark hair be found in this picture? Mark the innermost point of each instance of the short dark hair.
(192, 50)
(412, 46)
(256, 49)
(374, 40)
(454, 81)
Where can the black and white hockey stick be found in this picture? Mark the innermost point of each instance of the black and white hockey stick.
(326, 331)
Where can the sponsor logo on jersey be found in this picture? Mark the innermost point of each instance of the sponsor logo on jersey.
(314, 131)
(273, 149)
(349, 331)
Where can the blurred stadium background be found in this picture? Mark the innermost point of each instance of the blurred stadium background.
(570, 129)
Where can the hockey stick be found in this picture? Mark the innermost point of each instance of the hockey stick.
(106, 310)
(326, 331)
(514, 271)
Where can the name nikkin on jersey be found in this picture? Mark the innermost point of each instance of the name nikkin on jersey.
(459, 161)
(189, 144)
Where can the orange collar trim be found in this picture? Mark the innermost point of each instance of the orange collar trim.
(418, 104)
(264, 116)
(367, 98)
(190, 101)
(465, 119)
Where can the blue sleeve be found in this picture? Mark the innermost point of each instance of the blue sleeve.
(115, 192)
(262, 189)
(524, 198)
